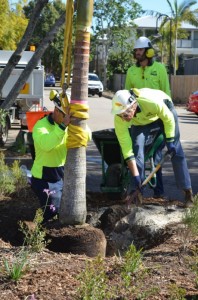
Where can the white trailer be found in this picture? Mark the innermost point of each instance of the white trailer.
(31, 95)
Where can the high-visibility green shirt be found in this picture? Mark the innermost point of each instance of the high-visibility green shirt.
(50, 150)
(153, 76)
(151, 107)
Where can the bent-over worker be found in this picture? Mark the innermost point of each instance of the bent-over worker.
(144, 110)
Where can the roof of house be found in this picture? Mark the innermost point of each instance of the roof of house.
(150, 22)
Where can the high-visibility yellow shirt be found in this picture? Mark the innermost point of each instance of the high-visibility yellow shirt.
(151, 107)
(50, 150)
(153, 76)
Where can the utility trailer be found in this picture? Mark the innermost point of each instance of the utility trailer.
(30, 97)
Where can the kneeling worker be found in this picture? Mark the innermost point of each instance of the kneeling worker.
(50, 135)
(143, 111)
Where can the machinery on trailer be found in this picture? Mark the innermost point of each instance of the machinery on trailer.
(30, 97)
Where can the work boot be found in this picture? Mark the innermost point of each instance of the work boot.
(188, 198)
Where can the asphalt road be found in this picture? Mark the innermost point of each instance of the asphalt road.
(99, 110)
(188, 121)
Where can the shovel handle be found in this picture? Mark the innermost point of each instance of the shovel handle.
(148, 178)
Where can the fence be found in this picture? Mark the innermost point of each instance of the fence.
(181, 86)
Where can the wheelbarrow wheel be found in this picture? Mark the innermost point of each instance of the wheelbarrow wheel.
(113, 179)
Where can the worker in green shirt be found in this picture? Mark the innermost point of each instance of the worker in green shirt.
(144, 111)
(148, 73)
(50, 137)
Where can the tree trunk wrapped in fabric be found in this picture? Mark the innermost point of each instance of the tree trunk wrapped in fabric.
(73, 205)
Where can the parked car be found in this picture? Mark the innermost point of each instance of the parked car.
(50, 80)
(192, 104)
(95, 86)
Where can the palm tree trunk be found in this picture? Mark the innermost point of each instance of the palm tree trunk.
(175, 54)
(73, 205)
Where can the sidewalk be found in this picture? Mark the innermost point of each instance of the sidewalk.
(108, 94)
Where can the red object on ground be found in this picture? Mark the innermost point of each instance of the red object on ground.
(192, 104)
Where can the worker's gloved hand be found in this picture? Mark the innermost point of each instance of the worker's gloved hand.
(171, 148)
(137, 181)
(135, 196)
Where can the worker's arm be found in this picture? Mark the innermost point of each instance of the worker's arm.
(125, 141)
(124, 138)
(133, 167)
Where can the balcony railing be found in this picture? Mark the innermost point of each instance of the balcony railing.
(187, 43)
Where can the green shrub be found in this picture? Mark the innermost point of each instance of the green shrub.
(12, 178)
(176, 293)
(93, 281)
(191, 216)
(34, 239)
(15, 268)
(128, 272)
(7, 181)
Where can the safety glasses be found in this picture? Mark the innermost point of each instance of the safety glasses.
(128, 113)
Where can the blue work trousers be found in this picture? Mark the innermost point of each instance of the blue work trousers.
(140, 135)
(49, 195)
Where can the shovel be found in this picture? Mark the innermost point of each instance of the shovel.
(136, 196)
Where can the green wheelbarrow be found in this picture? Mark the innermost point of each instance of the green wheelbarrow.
(115, 173)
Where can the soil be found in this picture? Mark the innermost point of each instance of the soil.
(54, 275)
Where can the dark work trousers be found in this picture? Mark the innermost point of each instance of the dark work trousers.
(140, 134)
(49, 195)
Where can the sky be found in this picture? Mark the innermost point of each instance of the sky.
(159, 5)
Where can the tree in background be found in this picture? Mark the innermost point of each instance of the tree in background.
(13, 24)
(180, 12)
(120, 55)
(52, 58)
(7, 103)
(114, 13)
(21, 46)
(114, 34)
(162, 47)
(121, 12)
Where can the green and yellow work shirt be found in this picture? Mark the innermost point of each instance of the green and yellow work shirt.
(153, 76)
(50, 150)
(151, 107)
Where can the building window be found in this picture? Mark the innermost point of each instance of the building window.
(195, 35)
